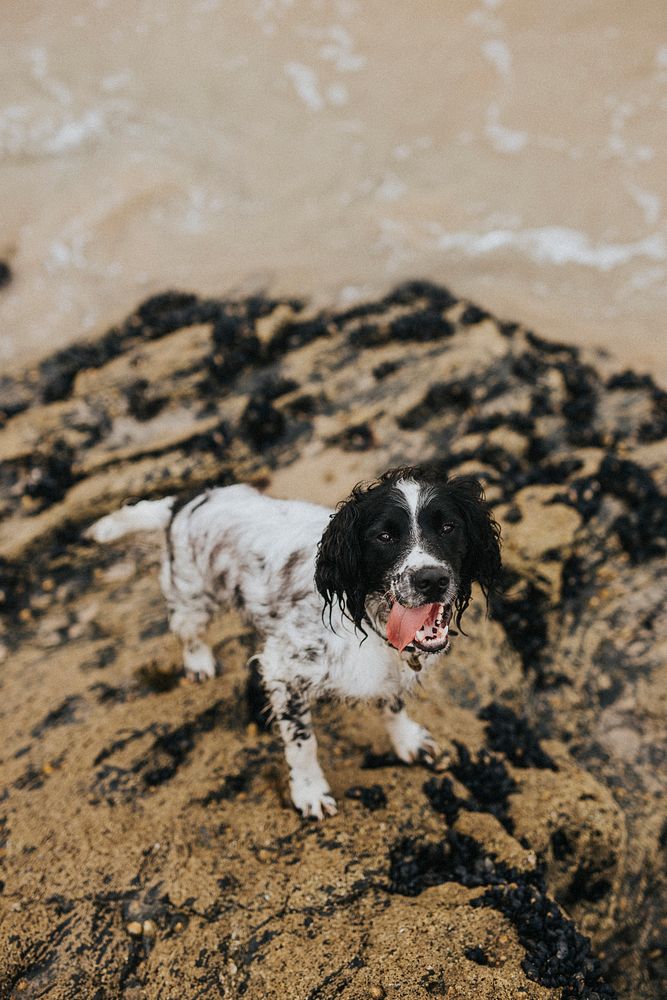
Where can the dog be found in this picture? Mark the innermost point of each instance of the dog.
(354, 603)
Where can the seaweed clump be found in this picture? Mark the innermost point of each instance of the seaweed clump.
(235, 347)
(49, 474)
(142, 402)
(372, 797)
(261, 423)
(642, 529)
(455, 395)
(477, 955)
(511, 735)
(421, 326)
(557, 955)
(410, 292)
(523, 614)
(415, 865)
(443, 798)
(487, 780)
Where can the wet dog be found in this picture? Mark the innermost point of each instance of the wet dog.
(353, 602)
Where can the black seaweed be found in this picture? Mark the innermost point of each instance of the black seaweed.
(511, 735)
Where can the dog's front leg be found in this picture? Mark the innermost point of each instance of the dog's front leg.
(308, 787)
(411, 742)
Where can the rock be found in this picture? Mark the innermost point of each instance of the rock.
(424, 883)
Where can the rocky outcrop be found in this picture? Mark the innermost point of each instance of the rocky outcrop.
(149, 846)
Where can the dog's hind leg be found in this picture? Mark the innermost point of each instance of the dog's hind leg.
(189, 615)
(189, 622)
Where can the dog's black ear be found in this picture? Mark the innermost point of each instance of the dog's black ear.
(339, 566)
(482, 558)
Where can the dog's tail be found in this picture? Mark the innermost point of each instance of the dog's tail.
(147, 515)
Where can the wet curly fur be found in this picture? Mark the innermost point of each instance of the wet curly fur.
(341, 575)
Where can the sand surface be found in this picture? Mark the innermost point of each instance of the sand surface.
(147, 842)
(513, 149)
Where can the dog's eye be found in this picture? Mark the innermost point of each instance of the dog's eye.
(384, 536)
(447, 527)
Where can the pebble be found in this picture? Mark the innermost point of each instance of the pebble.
(149, 929)
(88, 612)
(376, 992)
(135, 928)
(116, 573)
(49, 640)
(40, 601)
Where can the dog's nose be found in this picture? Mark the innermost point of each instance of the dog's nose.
(431, 582)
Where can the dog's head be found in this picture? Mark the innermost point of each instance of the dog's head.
(404, 551)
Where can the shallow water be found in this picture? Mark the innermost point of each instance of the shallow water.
(511, 150)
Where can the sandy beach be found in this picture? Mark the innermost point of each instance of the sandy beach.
(512, 151)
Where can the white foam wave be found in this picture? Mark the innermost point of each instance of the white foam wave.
(498, 53)
(338, 48)
(555, 245)
(26, 132)
(306, 84)
(503, 139)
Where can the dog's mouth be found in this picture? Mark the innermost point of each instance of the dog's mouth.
(433, 637)
(425, 628)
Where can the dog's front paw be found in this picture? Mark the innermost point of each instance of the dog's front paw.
(312, 797)
(414, 743)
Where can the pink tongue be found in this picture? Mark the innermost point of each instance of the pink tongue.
(404, 623)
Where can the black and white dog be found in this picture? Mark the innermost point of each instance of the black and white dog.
(352, 603)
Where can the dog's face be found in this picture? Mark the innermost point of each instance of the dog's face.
(412, 540)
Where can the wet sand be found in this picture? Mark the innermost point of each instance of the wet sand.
(514, 152)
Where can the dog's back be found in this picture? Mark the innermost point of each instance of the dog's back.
(263, 523)
(229, 546)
